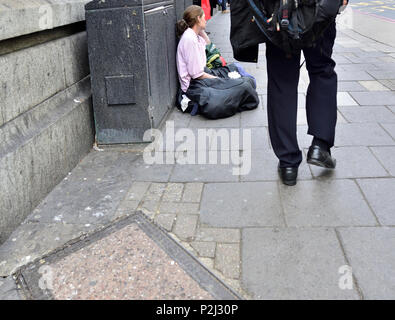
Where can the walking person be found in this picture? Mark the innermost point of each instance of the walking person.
(321, 104)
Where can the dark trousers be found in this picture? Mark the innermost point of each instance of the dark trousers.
(282, 97)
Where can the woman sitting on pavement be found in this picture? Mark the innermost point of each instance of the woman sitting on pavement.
(215, 93)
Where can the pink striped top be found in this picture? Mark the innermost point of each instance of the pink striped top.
(191, 57)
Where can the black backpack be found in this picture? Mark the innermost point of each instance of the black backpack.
(289, 24)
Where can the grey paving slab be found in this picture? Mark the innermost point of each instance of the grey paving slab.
(254, 118)
(192, 192)
(344, 86)
(390, 84)
(381, 74)
(325, 203)
(264, 167)
(201, 122)
(291, 263)
(8, 289)
(241, 204)
(304, 139)
(344, 99)
(370, 252)
(174, 139)
(374, 98)
(224, 235)
(220, 168)
(380, 193)
(185, 226)
(248, 138)
(165, 220)
(227, 259)
(204, 249)
(351, 162)
(33, 240)
(353, 75)
(374, 85)
(181, 120)
(361, 134)
(389, 127)
(386, 156)
(367, 114)
(156, 168)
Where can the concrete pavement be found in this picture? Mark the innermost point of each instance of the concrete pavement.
(329, 237)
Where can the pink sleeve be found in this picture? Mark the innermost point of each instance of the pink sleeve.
(192, 56)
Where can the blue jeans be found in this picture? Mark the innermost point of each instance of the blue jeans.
(223, 4)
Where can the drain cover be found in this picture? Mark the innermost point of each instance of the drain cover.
(130, 259)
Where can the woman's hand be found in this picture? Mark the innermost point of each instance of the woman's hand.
(203, 34)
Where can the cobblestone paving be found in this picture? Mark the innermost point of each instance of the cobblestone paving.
(264, 239)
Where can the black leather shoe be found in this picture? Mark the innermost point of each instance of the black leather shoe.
(320, 157)
(288, 175)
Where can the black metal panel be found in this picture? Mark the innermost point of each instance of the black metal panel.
(132, 52)
(120, 90)
(116, 48)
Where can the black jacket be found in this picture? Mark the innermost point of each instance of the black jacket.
(245, 35)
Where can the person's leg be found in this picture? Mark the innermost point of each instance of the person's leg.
(321, 102)
(282, 96)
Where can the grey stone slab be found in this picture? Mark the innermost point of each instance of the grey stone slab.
(241, 204)
(158, 171)
(192, 192)
(367, 114)
(179, 208)
(165, 220)
(39, 152)
(343, 86)
(181, 120)
(304, 139)
(386, 156)
(325, 203)
(390, 84)
(170, 138)
(353, 75)
(389, 127)
(344, 99)
(75, 57)
(202, 122)
(371, 255)
(137, 191)
(291, 263)
(185, 226)
(264, 167)
(373, 85)
(8, 289)
(380, 193)
(218, 166)
(351, 162)
(374, 98)
(218, 235)
(33, 240)
(358, 134)
(30, 76)
(382, 74)
(173, 192)
(204, 249)
(392, 108)
(247, 138)
(25, 17)
(227, 259)
(254, 118)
